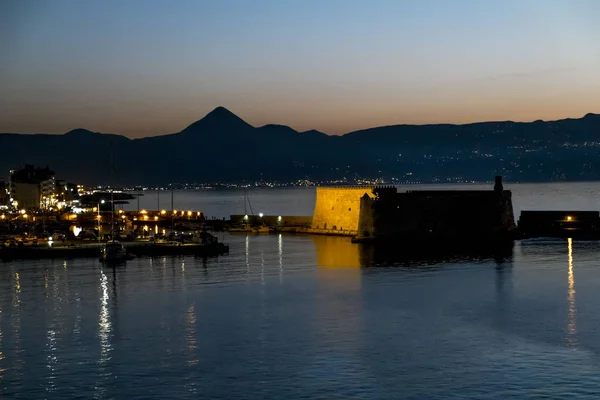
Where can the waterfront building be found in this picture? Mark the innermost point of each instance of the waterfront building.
(32, 187)
(4, 195)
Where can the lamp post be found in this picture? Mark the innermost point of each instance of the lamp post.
(99, 226)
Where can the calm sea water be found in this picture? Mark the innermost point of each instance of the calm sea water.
(309, 317)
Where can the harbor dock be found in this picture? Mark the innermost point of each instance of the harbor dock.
(582, 225)
(93, 250)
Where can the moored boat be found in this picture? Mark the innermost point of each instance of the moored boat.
(114, 252)
(241, 228)
(261, 229)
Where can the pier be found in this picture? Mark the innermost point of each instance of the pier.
(584, 225)
(93, 250)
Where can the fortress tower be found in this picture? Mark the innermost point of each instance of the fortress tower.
(338, 208)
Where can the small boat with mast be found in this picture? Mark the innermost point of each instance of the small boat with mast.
(246, 226)
(113, 252)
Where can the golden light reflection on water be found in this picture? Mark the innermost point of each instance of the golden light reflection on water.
(17, 283)
(338, 267)
(338, 261)
(336, 252)
(339, 294)
(572, 314)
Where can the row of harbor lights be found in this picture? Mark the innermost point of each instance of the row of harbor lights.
(164, 212)
(260, 215)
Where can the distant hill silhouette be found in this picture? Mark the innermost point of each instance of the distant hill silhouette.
(222, 147)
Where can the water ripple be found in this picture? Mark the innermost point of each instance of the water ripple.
(304, 317)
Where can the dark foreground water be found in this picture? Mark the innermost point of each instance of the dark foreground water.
(305, 317)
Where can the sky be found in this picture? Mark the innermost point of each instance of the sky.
(150, 67)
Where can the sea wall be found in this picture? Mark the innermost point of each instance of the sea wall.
(450, 213)
(338, 208)
(274, 220)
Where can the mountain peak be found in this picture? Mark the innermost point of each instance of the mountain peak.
(217, 120)
(222, 115)
(79, 132)
(221, 111)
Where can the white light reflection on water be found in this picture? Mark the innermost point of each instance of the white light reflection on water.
(77, 324)
(15, 317)
(280, 254)
(247, 253)
(51, 359)
(262, 267)
(2, 357)
(53, 331)
(192, 345)
(104, 327)
(183, 286)
(572, 315)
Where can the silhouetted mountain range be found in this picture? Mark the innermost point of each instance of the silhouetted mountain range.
(222, 147)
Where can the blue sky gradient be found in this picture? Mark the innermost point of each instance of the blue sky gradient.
(149, 67)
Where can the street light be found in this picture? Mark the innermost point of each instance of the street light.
(99, 226)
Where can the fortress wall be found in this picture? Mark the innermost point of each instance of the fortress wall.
(274, 220)
(453, 213)
(338, 208)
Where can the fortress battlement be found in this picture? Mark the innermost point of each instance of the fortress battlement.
(349, 187)
(386, 187)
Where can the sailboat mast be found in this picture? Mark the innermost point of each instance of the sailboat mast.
(112, 217)
(111, 168)
(249, 204)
